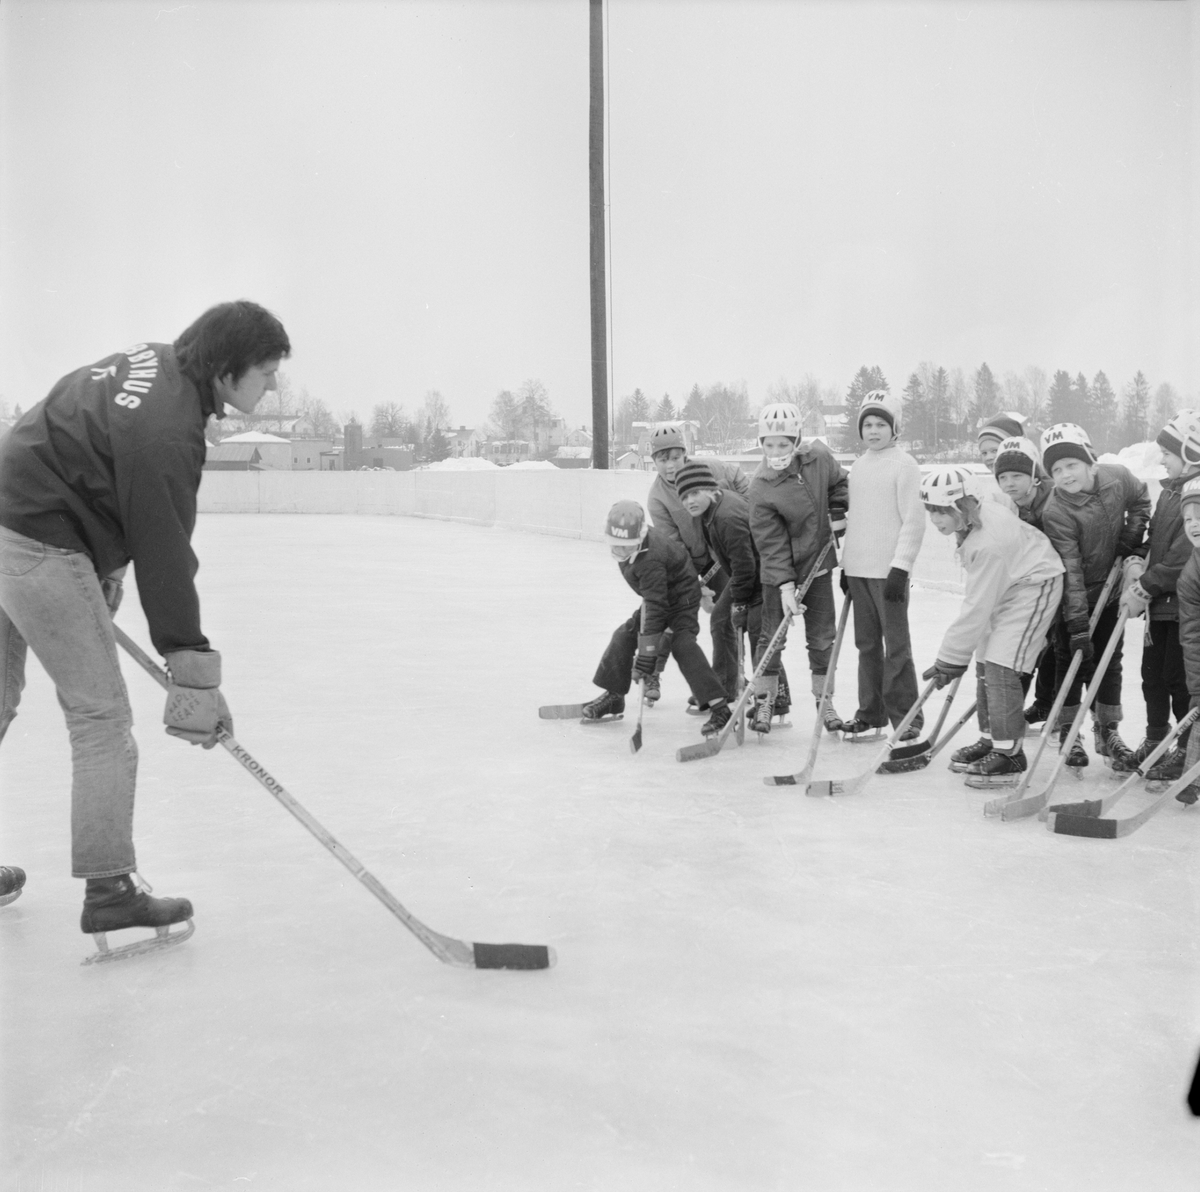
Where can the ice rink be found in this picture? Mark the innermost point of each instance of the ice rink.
(754, 990)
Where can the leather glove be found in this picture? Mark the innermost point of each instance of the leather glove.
(647, 653)
(837, 523)
(737, 616)
(1081, 639)
(706, 599)
(944, 673)
(844, 583)
(1135, 599)
(1132, 568)
(895, 587)
(113, 590)
(195, 706)
(787, 596)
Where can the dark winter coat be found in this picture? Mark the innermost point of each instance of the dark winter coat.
(726, 527)
(663, 575)
(1090, 530)
(108, 463)
(1037, 507)
(790, 511)
(1187, 591)
(668, 514)
(1169, 551)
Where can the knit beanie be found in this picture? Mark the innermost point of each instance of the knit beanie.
(692, 476)
(883, 405)
(1016, 455)
(1168, 441)
(1005, 425)
(1190, 493)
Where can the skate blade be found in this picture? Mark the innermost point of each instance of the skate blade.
(163, 938)
(603, 719)
(5, 899)
(979, 782)
(863, 738)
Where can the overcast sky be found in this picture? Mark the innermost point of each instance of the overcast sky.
(795, 188)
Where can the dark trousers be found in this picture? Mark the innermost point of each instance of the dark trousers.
(724, 640)
(887, 679)
(1046, 687)
(1108, 697)
(1164, 681)
(820, 625)
(615, 672)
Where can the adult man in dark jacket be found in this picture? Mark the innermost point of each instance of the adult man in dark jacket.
(101, 473)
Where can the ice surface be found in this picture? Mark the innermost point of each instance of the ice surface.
(755, 990)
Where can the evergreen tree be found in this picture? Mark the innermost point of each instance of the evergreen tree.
(1102, 414)
(916, 413)
(1136, 411)
(438, 445)
(1164, 408)
(639, 407)
(937, 393)
(986, 399)
(864, 381)
(1081, 403)
(665, 410)
(1061, 404)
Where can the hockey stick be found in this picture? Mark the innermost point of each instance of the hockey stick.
(993, 807)
(801, 778)
(951, 732)
(1110, 829)
(714, 744)
(740, 731)
(854, 786)
(1031, 804)
(1097, 807)
(444, 947)
(905, 759)
(664, 647)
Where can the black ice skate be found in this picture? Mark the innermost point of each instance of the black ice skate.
(115, 903)
(694, 708)
(1153, 738)
(1109, 745)
(12, 880)
(970, 755)
(1168, 769)
(832, 722)
(764, 709)
(996, 769)
(1036, 713)
(717, 721)
(651, 691)
(1077, 758)
(859, 732)
(609, 706)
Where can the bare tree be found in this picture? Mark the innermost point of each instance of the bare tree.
(1014, 393)
(506, 417)
(728, 413)
(435, 413)
(1039, 393)
(534, 402)
(388, 420)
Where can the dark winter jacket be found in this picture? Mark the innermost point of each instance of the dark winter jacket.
(109, 464)
(790, 511)
(726, 527)
(662, 574)
(1169, 551)
(669, 515)
(1037, 507)
(1090, 530)
(1187, 591)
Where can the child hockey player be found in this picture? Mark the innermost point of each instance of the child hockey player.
(1013, 587)
(1005, 425)
(1021, 477)
(669, 453)
(1188, 594)
(1096, 514)
(724, 520)
(798, 501)
(661, 573)
(1150, 589)
(885, 525)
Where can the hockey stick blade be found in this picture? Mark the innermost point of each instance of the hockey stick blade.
(1111, 829)
(446, 948)
(561, 711)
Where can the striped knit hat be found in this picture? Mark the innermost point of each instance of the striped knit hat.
(1005, 425)
(693, 475)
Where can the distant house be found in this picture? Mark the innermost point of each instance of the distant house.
(232, 457)
(464, 442)
(306, 453)
(630, 461)
(508, 451)
(274, 452)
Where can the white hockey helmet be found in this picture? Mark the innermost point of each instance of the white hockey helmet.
(1017, 455)
(625, 524)
(663, 438)
(946, 486)
(779, 418)
(882, 404)
(1066, 440)
(1181, 437)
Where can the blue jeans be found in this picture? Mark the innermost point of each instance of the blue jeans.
(51, 599)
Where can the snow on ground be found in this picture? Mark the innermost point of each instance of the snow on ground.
(1144, 460)
(755, 990)
(462, 463)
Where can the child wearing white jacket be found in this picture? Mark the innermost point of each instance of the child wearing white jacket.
(1014, 581)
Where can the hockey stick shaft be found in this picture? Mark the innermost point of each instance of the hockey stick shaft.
(802, 778)
(924, 750)
(951, 732)
(445, 948)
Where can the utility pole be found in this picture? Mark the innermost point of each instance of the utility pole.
(596, 209)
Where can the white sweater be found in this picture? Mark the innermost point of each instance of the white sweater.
(886, 520)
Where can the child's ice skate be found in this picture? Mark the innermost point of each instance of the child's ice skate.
(115, 903)
(1153, 738)
(651, 689)
(609, 706)
(12, 880)
(996, 768)
(1110, 746)
(717, 720)
(961, 760)
(1077, 758)
(1168, 769)
(859, 732)
(766, 688)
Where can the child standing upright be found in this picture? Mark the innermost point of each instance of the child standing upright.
(798, 501)
(1150, 589)
(1013, 588)
(884, 529)
(1096, 514)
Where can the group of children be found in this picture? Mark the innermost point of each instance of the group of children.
(1037, 556)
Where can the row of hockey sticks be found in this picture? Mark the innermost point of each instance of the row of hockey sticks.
(854, 786)
(905, 758)
(716, 742)
(1088, 818)
(445, 948)
(802, 776)
(1017, 798)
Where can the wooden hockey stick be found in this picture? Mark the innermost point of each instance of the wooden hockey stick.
(1031, 804)
(993, 807)
(446, 948)
(801, 777)
(951, 732)
(904, 759)
(740, 732)
(714, 744)
(1111, 829)
(854, 786)
(1096, 807)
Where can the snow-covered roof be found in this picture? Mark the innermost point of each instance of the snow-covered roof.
(463, 463)
(254, 436)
